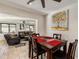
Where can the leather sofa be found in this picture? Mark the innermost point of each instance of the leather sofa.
(12, 40)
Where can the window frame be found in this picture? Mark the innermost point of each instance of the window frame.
(8, 27)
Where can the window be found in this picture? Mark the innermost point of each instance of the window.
(12, 28)
(32, 28)
(26, 25)
(29, 25)
(0, 28)
(21, 26)
(5, 28)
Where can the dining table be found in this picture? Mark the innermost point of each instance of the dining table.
(51, 45)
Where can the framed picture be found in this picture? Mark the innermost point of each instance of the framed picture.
(60, 21)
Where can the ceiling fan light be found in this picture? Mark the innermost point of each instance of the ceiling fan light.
(29, 3)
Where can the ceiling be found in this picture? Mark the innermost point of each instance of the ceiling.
(36, 5)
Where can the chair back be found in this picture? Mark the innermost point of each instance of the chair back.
(71, 50)
(7, 37)
(35, 34)
(34, 44)
(57, 36)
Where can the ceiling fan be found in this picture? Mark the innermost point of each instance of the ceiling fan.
(42, 2)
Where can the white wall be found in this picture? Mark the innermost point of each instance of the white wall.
(72, 32)
(21, 13)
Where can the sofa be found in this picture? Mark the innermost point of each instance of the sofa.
(12, 40)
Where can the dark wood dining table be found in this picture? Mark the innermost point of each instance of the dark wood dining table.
(50, 48)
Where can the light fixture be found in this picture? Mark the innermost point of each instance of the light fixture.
(30, 3)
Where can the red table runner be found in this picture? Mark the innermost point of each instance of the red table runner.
(41, 40)
(45, 37)
(54, 42)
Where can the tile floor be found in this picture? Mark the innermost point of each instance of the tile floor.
(12, 52)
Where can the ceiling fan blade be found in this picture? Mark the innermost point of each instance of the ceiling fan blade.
(30, 1)
(58, 0)
(43, 3)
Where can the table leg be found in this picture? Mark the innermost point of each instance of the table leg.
(49, 54)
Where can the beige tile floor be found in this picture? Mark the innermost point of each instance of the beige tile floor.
(13, 52)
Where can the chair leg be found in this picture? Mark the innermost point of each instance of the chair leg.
(37, 56)
(41, 56)
(29, 50)
(31, 53)
(44, 54)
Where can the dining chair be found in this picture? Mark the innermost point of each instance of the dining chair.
(36, 49)
(70, 54)
(30, 42)
(35, 34)
(57, 36)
